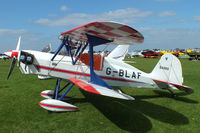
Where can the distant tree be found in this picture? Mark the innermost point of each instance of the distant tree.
(156, 49)
(146, 50)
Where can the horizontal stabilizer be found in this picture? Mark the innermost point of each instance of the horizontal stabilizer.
(184, 88)
(163, 84)
(100, 90)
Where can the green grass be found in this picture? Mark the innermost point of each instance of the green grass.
(153, 111)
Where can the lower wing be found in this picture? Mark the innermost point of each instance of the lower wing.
(100, 90)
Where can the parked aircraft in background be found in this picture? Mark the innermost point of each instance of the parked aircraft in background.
(150, 53)
(3, 56)
(194, 54)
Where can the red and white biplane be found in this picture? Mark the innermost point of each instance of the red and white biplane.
(95, 73)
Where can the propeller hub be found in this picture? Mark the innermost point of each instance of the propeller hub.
(11, 53)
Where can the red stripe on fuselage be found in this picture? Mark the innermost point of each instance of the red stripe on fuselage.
(61, 70)
(168, 82)
(82, 74)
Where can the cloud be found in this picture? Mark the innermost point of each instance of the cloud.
(30, 40)
(167, 13)
(168, 21)
(12, 32)
(170, 38)
(129, 12)
(180, 20)
(128, 16)
(197, 18)
(9, 38)
(63, 8)
(52, 15)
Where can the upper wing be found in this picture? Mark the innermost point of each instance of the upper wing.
(100, 90)
(117, 33)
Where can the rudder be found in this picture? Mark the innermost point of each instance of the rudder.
(168, 69)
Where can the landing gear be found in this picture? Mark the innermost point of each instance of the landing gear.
(57, 91)
(55, 101)
(172, 93)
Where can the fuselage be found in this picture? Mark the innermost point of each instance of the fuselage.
(112, 71)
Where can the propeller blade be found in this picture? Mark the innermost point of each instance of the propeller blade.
(18, 44)
(12, 66)
(18, 58)
(14, 54)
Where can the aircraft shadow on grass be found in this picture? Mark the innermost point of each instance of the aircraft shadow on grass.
(132, 115)
(4, 86)
(178, 96)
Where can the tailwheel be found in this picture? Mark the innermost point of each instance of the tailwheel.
(172, 93)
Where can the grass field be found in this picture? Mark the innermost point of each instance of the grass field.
(153, 111)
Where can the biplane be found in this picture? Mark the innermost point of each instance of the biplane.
(95, 73)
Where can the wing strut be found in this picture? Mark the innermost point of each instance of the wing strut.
(69, 47)
(94, 78)
(72, 55)
(59, 48)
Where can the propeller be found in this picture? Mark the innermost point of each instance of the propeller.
(13, 54)
(11, 67)
(18, 43)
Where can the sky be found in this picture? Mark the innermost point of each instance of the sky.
(165, 24)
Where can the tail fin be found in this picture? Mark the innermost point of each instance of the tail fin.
(119, 52)
(168, 73)
(168, 69)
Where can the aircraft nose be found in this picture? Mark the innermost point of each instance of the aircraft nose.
(8, 53)
(11, 53)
